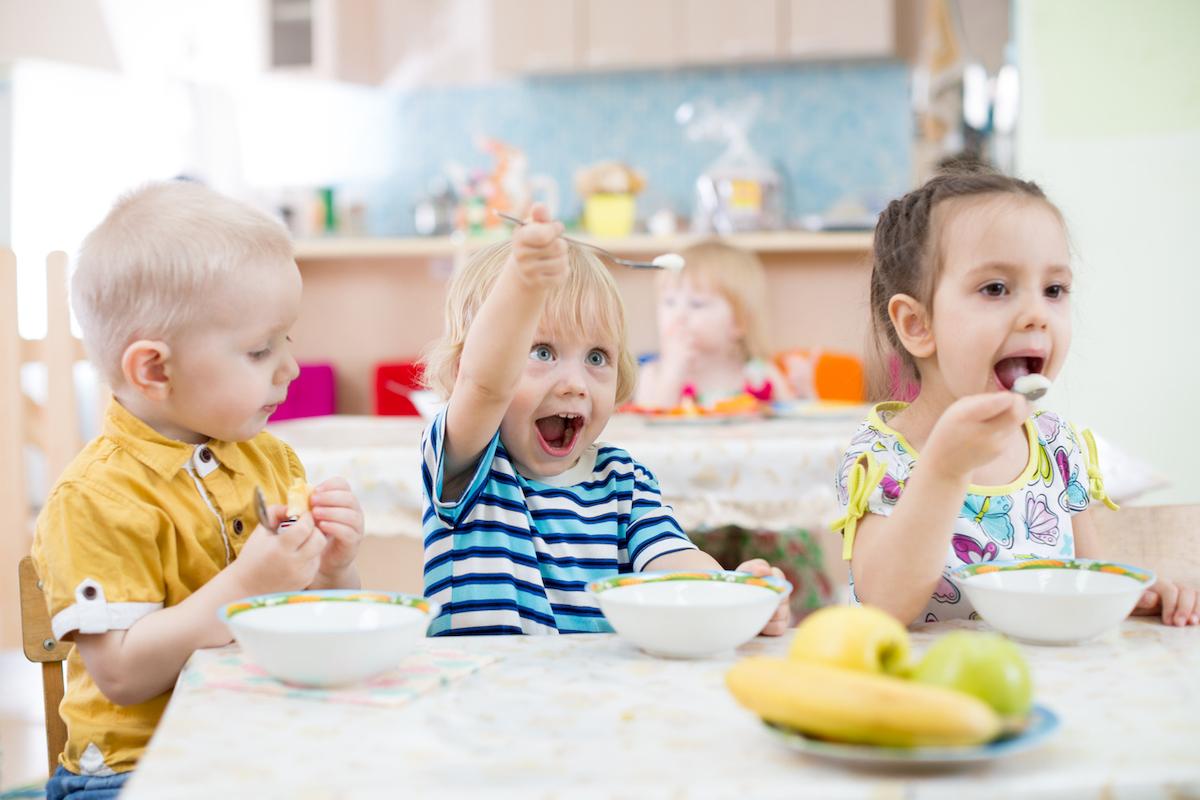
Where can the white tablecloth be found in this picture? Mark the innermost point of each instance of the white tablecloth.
(589, 716)
(774, 474)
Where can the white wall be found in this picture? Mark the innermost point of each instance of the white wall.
(1110, 127)
(186, 93)
(72, 31)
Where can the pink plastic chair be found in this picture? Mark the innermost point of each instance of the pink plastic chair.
(312, 394)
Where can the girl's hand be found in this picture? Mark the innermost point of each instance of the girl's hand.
(973, 431)
(1178, 605)
(539, 255)
(286, 561)
(781, 620)
(339, 517)
(679, 352)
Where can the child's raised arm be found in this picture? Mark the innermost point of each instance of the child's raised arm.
(898, 559)
(498, 342)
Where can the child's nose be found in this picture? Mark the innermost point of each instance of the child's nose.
(288, 371)
(571, 383)
(1035, 313)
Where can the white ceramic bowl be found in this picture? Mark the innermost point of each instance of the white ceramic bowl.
(688, 614)
(1053, 601)
(328, 638)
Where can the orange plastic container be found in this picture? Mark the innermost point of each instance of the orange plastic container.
(823, 374)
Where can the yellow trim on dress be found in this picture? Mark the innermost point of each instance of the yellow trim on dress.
(875, 418)
(861, 481)
(1095, 479)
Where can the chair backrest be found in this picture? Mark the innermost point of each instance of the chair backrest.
(42, 647)
(1165, 539)
(823, 375)
(394, 384)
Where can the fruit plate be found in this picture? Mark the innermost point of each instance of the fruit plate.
(1043, 723)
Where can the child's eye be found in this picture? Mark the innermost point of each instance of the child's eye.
(597, 358)
(541, 352)
(259, 355)
(1057, 290)
(994, 289)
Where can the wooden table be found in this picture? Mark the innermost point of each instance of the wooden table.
(589, 716)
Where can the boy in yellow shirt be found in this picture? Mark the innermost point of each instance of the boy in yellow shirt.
(185, 299)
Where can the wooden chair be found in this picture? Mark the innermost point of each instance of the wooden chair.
(1165, 539)
(51, 427)
(42, 648)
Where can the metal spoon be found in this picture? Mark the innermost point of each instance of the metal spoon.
(667, 261)
(260, 504)
(1033, 386)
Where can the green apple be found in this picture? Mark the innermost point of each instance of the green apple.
(852, 637)
(985, 665)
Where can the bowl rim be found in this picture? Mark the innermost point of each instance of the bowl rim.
(965, 572)
(259, 601)
(770, 582)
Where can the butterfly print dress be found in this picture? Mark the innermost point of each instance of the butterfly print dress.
(1027, 518)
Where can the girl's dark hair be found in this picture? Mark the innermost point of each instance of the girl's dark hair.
(906, 260)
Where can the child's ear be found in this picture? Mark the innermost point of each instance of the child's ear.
(911, 321)
(144, 366)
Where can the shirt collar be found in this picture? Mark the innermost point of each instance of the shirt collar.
(164, 455)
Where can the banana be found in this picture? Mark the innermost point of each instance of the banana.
(860, 707)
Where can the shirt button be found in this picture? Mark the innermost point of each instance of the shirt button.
(238, 527)
(205, 455)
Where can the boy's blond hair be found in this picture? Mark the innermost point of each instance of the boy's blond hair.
(150, 268)
(587, 301)
(739, 277)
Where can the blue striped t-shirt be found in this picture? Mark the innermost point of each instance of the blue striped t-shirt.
(514, 555)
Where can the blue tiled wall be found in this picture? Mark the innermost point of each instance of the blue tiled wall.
(833, 130)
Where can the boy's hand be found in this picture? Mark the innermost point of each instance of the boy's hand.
(286, 561)
(1178, 605)
(781, 620)
(539, 255)
(973, 431)
(339, 517)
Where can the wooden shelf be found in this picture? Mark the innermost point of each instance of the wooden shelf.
(335, 248)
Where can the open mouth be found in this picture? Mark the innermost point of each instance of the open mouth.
(1009, 369)
(558, 433)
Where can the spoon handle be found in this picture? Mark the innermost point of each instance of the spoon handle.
(606, 253)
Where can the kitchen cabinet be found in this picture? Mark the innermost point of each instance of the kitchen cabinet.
(719, 32)
(843, 29)
(537, 36)
(632, 34)
(331, 39)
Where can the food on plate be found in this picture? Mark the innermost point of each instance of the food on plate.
(985, 665)
(848, 678)
(849, 705)
(852, 637)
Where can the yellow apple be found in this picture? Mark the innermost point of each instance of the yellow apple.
(852, 637)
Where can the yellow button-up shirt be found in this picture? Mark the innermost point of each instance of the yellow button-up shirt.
(137, 523)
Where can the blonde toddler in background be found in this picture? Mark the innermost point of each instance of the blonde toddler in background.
(712, 331)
